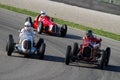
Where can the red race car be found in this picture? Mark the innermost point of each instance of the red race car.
(47, 25)
(85, 53)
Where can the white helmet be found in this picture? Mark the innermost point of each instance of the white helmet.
(43, 13)
(27, 24)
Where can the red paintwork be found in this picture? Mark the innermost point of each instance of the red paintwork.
(45, 20)
(87, 41)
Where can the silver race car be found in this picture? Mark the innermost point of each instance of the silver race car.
(26, 47)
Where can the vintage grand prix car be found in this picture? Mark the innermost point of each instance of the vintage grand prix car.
(26, 47)
(77, 54)
(47, 25)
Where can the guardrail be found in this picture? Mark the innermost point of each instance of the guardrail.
(115, 2)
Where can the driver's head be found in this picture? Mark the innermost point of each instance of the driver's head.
(27, 24)
(89, 33)
(43, 13)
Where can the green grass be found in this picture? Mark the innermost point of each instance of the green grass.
(60, 21)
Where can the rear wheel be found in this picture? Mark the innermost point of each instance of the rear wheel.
(55, 28)
(68, 52)
(10, 45)
(108, 51)
(40, 27)
(75, 49)
(42, 51)
(63, 30)
(29, 19)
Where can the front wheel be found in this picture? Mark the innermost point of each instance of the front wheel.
(40, 27)
(40, 41)
(42, 50)
(103, 60)
(67, 59)
(108, 51)
(10, 45)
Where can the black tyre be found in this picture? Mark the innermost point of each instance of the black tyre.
(55, 29)
(40, 41)
(40, 27)
(63, 30)
(27, 56)
(29, 19)
(68, 52)
(75, 49)
(108, 51)
(42, 50)
(103, 59)
(10, 45)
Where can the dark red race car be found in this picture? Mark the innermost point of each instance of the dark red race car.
(84, 53)
(47, 25)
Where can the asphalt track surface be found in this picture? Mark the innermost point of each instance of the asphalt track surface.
(17, 67)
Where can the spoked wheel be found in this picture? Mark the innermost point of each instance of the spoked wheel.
(42, 51)
(68, 52)
(103, 60)
(108, 51)
(63, 30)
(10, 45)
(40, 27)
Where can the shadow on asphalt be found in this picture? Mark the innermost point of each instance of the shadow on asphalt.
(111, 68)
(54, 58)
(71, 36)
(46, 58)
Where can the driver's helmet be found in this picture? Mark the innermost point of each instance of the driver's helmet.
(43, 13)
(89, 33)
(27, 24)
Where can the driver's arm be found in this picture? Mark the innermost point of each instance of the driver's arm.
(21, 32)
(37, 17)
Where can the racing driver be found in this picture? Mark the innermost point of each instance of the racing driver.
(93, 42)
(26, 31)
(41, 16)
